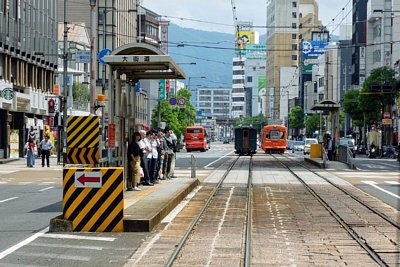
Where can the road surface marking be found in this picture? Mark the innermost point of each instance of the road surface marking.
(392, 182)
(208, 165)
(55, 256)
(22, 243)
(179, 208)
(65, 246)
(8, 199)
(25, 183)
(79, 237)
(374, 184)
(47, 188)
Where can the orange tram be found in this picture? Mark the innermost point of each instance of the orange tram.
(274, 138)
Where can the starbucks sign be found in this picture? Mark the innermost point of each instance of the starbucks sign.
(7, 93)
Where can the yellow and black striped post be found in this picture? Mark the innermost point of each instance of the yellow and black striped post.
(83, 140)
(93, 199)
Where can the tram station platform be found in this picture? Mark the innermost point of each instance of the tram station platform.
(146, 208)
(332, 165)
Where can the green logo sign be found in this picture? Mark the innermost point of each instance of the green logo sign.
(7, 93)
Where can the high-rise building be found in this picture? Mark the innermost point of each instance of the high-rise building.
(245, 39)
(28, 60)
(288, 23)
(359, 40)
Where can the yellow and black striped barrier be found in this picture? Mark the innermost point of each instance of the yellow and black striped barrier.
(83, 155)
(93, 199)
(83, 131)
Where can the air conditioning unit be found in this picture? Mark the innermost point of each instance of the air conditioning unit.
(9, 117)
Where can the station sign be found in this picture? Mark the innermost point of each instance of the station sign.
(88, 179)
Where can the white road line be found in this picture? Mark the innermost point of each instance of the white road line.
(373, 184)
(66, 246)
(47, 188)
(79, 237)
(22, 243)
(25, 183)
(179, 208)
(208, 165)
(392, 182)
(8, 199)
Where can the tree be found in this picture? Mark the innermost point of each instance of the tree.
(257, 122)
(80, 92)
(312, 124)
(373, 104)
(351, 106)
(296, 118)
(176, 118)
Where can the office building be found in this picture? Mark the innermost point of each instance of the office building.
(28, 60)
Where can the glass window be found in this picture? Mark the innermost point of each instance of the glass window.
(294, 4)
(294, 57)
(294, 36)
(294, 25)
(274, 135)
(267, 135)
(194, 130)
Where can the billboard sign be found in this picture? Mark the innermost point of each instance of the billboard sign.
(245, 38)
(255, 51)
(311, 51)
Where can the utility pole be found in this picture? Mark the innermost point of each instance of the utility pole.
(65, 89)
(93, 55)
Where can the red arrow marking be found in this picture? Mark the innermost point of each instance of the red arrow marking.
(83, 179)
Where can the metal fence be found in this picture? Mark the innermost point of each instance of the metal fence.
(346, 156)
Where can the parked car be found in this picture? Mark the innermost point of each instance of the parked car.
(298, 145)
(226, 140)
(307, 144)
(349, 142)
(289, 144)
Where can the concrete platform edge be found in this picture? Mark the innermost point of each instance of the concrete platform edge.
(318, 164)
(147, 225)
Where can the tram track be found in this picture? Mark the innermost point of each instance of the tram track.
(202, 216)
(335, 213)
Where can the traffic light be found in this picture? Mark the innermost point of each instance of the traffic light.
(51, 107)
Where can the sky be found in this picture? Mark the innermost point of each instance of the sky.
(219, 12)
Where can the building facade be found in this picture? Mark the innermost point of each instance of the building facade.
(28, 60)
(359, 40)
(215, 102)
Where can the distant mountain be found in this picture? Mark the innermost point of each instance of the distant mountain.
(212, 52)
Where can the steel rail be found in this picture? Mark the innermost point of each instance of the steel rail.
(247, 259)
(337, 217)
(179, 247)
(377, 212)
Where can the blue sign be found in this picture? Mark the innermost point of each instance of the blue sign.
(172, 101)
(138, 87)
(312, 50)
(102, 54)
(83, 56)
(199, 113)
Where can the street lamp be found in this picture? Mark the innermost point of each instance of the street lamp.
(93, 64)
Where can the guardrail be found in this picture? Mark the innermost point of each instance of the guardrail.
(346, 156)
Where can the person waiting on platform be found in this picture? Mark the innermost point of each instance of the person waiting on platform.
(134, 163)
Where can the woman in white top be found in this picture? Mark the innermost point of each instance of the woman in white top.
(152, 157)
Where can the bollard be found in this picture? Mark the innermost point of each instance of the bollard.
(193, 166)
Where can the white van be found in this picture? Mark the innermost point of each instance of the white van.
(307, 144)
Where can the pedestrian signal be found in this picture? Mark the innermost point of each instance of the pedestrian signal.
(52, 105)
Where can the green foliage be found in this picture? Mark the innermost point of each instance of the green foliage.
(80, 92)
(176, 118)
(373, 104)
(257, 122)
(312, 124)
(296, 118)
